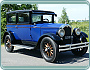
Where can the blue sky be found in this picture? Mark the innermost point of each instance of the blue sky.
(74, 11)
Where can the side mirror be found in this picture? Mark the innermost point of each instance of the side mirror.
(55, 15)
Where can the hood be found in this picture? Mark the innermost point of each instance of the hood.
(54, 25)
(51, 27)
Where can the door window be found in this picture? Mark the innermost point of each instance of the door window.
(12, 18)
(23, 18)
(36, 18)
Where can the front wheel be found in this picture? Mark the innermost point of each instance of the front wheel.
(7, 42)
(80, 51)
(49, 49)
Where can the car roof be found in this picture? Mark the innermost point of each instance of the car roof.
(33, 11)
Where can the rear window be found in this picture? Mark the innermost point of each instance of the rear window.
(12, 18)
(23, 18)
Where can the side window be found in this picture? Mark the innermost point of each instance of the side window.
(12, 18)
(36, 18)
(23, 18)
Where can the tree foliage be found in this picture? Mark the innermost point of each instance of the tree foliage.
(64, 18)
(11, 7)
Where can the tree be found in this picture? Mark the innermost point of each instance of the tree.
(64, 18)
(11, 7)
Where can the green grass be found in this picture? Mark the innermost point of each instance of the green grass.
(84, 26)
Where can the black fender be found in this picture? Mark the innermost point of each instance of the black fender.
(6, 33)
(80, 37)
(53, 36)
(83, 35)
(11, 35)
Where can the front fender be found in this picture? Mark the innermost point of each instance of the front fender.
(79, 38)
(83, 35)
(51, 35)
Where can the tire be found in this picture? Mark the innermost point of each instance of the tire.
(7, 43)
(49, 49)
(82, 51)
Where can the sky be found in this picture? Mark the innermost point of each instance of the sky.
(74, 11)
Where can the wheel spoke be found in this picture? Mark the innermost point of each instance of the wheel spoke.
(48, 54)
(51, 53)
(48, 49)
(45, 47)
(8, 43)
(51, 47)
(47, 44)
(51, 50)
(8, 40)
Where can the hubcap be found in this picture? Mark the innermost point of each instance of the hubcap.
(48, 49)
(8, 43)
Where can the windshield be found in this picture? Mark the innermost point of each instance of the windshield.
(39, 18)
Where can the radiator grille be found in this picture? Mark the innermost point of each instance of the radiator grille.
(67, 33)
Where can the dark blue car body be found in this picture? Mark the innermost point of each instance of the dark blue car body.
(31, 27)
(22, 32)
(31, 32)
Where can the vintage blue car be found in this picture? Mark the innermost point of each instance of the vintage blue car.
(36, 29)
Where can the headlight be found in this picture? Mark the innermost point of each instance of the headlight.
(77, 31)
(61, 32)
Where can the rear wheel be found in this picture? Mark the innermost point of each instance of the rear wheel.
(80, 51)
(7, 42)
(49, 49)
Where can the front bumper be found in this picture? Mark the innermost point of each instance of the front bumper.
(72, 46)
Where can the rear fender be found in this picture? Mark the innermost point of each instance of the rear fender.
(11, 35)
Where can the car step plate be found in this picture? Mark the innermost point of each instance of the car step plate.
(23, 46)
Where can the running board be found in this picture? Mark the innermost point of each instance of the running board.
(23, 46)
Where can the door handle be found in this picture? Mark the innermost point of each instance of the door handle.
(16, 27)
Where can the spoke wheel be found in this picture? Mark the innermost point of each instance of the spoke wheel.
(7, 42)
(49, 49)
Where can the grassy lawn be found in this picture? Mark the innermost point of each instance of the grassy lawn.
(84, 26)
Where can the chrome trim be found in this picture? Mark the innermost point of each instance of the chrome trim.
(76, 31)
(72, 46)
(23, 46)
(59, 32)
(66, 25)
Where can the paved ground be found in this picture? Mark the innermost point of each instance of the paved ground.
(25, 57)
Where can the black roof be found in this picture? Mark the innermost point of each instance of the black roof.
(33, 11)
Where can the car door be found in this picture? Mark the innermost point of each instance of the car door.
(35, 32)
(11, 24)
(23, 26)
(36, 27)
